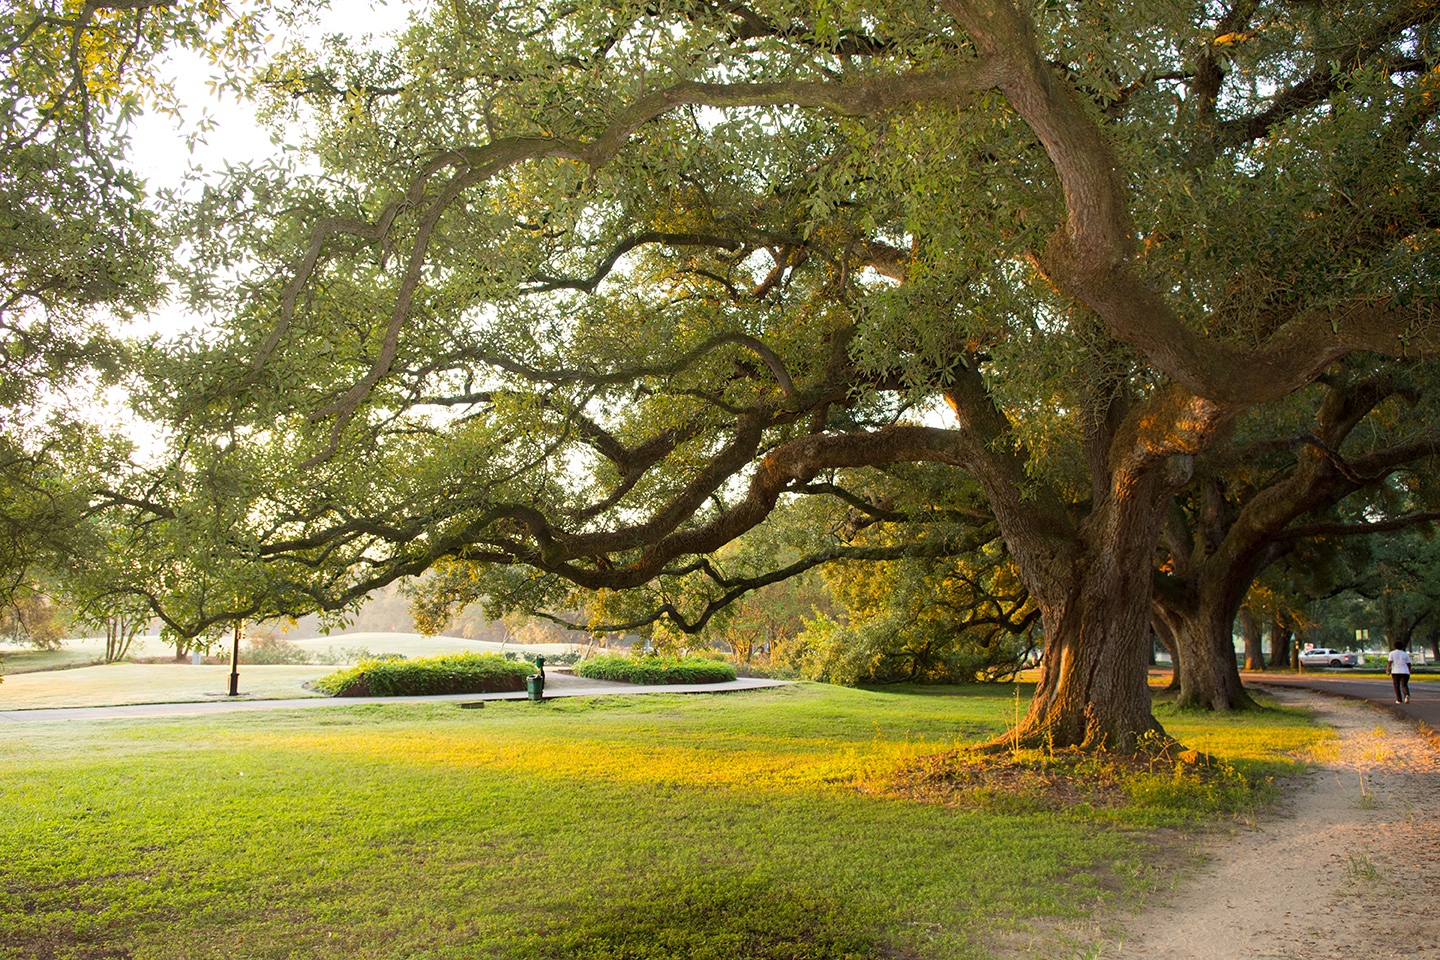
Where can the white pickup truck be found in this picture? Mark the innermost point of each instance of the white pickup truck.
(1325, 657)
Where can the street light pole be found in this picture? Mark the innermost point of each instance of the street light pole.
(235, 663)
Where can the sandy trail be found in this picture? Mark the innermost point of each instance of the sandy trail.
(1349, 869)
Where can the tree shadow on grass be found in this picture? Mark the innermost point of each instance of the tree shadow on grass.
(708, 919)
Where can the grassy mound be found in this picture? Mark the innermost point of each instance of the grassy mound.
(442, 673)
(655, 669)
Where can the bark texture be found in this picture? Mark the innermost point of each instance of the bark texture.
(1254, 649)
(1209, 676)
(1281, 639)
(1094, 688)
(1092, 575)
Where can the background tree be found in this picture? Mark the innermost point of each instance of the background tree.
(1363, 431)
(766, 624)
(1392, 594)
(32, 617)
(957, 620)
(80, 246)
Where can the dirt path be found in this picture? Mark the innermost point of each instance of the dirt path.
(1350, 869)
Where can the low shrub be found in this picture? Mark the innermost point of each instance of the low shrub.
(655, 669)
(443, 673)
(551, 659)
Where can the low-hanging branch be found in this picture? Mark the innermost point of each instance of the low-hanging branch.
(737, 587)
(563, 376)
(468, 166)
(547, 284)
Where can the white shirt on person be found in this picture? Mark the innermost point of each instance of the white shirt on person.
(1399, 661)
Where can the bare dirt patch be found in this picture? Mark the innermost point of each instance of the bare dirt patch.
(1347, 868)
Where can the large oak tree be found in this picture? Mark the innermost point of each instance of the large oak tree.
(1362, 438)
(583, 293)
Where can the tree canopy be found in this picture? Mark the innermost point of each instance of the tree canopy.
(80, 247)
(580, 295)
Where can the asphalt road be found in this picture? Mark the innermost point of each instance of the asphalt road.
(556, 685)
(1424, 702)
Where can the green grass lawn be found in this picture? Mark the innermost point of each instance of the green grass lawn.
(120, 683)
(29, 660)
(753, 825)
(73, 675)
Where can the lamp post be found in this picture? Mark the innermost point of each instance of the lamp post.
(235, 663)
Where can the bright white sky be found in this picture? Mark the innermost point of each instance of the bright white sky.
(160, 154)
(159, 147)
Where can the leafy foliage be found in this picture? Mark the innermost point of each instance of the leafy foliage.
(443, 673)
(81, 245)
(936, 620)
(583, 295)
(653, 670)
(33, 618)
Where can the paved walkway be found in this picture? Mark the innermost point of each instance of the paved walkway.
(556, 685)
(1424, 702)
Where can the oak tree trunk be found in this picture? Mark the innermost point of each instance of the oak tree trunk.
(1092, 579)
(1094, 691)
(1209, 677)
(1280, 642)
(1254, 648)
(1200, 618)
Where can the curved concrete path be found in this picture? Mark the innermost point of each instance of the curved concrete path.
(556, 685)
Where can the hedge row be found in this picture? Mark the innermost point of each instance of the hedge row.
(443, 673)
(655, 669)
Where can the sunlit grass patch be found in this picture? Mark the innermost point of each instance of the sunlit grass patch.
(1219, 765)
(740, 826)
(1272, 740)
(1162, 789)
(805, 739)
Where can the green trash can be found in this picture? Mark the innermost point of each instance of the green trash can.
(535, 686)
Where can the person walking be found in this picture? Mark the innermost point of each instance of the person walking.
(1400, 671)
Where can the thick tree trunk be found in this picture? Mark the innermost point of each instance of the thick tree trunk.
(1092, 580)
(1280, 643)
(1250, 630)
(1209, 678)
(1203, 621)
(1094, 688)
(1093, 691)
